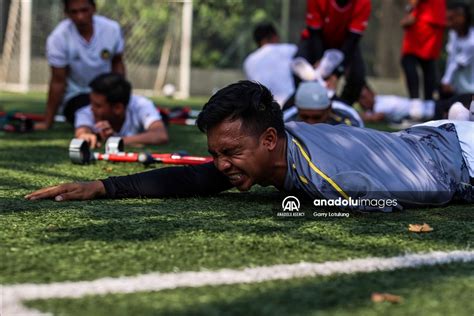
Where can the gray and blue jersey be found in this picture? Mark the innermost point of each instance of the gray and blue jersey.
(422, 165)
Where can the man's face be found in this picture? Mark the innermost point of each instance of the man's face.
(367, 99)
(81, 13)
(314, 116)
(242, 157)
(102, 110)
(455, 19)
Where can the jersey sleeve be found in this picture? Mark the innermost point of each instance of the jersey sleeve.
(56, 51)
(84, 117)
(200, 180)
(360, 17)
(314, 18)
(148, 113)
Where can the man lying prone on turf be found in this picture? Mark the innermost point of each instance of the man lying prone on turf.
(424, 165)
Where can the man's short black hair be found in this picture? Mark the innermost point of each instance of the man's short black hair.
(264, 31)
(114, 87)
(66, 3)
(249, 101)
(466, 12)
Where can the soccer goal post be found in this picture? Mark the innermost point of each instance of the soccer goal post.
(157, 36)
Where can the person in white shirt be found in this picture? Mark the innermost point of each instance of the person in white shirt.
(270, 63)
(80, 48)
(114, 111)
(395, 109)
(458, 77)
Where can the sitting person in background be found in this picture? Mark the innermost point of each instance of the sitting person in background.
(270, 63)
(312, 105)
(115, 112)
(394, 109)
(79, 49)
(458, 77)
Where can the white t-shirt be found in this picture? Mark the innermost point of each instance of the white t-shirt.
(141, 113)
(271, 66)
(460, 62)
(65, 47)
(396, 108)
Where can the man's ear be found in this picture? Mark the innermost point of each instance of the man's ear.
(269, 138)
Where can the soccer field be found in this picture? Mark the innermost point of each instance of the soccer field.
(206, 256)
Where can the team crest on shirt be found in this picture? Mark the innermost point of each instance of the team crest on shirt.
(105, 54)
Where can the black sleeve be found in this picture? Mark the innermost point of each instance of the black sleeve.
(349, 47)
(200, 180)
(311, 48)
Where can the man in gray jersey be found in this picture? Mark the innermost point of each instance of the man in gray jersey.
(424, 165)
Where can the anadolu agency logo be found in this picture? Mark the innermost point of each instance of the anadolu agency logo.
(290, 207)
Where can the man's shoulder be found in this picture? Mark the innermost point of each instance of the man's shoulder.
(137, 101)
(63, 28)
(105, 22)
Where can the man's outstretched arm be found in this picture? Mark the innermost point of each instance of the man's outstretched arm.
(200, 180)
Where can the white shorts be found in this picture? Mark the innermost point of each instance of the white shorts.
(465, 131)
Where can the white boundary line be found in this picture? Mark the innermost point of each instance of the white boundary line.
(13, 295)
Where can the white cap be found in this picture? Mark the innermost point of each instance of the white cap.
(311, 95)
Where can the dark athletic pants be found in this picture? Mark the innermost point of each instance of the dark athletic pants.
(410, 65)
(75, 104)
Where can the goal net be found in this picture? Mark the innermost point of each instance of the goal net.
(152, 30)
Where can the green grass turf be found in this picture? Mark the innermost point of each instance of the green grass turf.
(45, 241)
(441, 290)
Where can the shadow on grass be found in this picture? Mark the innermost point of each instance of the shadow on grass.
(242, 213)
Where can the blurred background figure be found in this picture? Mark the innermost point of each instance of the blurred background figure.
(424, 25)
(312, 105)
(458, 77)
(396, 109)
(270, 63)
(81, 47)
(337, 24)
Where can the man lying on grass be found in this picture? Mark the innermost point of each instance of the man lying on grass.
(424, 165)
(114, 111)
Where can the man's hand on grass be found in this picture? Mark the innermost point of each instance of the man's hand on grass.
(70, 191)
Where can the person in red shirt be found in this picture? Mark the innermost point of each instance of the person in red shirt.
(337, 24)
(422, 42)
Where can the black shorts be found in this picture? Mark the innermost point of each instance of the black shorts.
(75, 104)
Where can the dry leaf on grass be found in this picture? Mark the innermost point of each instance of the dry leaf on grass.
(417, 228)
(108, 169)
(386, 297)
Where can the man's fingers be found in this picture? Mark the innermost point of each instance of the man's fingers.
(67, 196)
(46, 193)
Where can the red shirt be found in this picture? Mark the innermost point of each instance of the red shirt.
(335, 21)
(424, 39)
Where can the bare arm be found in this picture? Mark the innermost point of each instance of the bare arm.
(57, 87)
(156, 134)
(117, 65)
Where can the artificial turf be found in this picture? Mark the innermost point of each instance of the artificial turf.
(46, 241)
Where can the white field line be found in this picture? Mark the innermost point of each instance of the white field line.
(13, 295)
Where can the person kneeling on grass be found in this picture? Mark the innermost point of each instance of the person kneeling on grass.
(114, 111)
(424, 165)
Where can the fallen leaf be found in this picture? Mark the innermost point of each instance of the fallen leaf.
(417, 228)
(386, 297)
(108, 169)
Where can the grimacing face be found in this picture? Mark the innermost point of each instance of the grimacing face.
(81, 13)
(244, 158)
